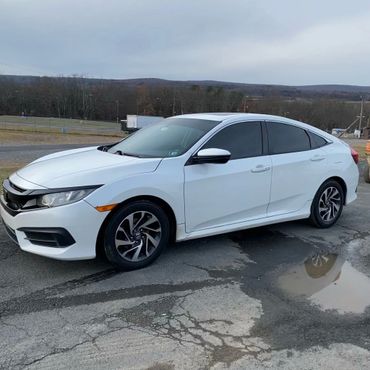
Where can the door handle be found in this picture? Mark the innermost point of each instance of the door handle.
(317, 158)
(261, 168)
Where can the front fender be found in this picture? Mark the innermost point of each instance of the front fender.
(168, 187)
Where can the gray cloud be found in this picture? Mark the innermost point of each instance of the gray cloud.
(287, 42)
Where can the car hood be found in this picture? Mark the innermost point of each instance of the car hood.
(81, 167)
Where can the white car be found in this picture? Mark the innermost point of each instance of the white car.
(185, 177)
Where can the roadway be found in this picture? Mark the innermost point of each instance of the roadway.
(288, 296)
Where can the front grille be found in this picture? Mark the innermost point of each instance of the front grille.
(11, 233)
(16, 199)
(12, 201)
(14, 205)
(15, 187)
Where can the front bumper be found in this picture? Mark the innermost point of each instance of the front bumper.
(80, 219)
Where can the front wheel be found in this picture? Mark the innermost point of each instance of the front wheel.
(327, 205)
(136, 235)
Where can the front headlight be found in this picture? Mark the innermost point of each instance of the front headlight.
(63, 198)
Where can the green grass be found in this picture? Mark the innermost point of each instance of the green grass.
(59, 125)
(57, 122)
(27, 137)
(5, 172)
(357, 144)
(360, 148)
(55, 130)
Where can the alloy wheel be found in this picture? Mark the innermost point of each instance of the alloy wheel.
(138, 236)
(330, 204)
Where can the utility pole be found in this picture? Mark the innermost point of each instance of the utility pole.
(361, 113)
(358, 118)
(174, 103)
(351, 125)
(245, 104)
(117, 110)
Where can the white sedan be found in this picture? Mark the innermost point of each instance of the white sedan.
(185, 177)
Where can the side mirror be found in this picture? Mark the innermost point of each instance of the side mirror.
(211, 155)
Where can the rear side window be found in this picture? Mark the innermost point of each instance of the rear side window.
(316, 141)
(242, 140)
(285, 138)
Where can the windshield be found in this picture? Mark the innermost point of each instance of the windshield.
(168, 138)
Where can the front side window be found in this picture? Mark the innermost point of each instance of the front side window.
(242, 140)
(284, 138)
(169, 138)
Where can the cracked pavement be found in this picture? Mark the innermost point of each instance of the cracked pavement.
(286, 296)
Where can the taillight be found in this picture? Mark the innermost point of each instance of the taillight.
(354, 155)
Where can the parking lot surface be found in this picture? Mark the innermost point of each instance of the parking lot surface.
(287, 296)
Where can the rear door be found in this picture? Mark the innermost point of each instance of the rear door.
(239, 190)
(299, 166)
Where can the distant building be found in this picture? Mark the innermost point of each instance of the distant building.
(135, 122)
(337, 131)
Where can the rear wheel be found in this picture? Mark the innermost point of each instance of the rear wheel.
(136, 235)
(327, 205)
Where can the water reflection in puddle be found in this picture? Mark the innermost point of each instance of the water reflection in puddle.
(329, 282)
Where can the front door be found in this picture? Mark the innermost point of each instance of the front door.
(237, 191)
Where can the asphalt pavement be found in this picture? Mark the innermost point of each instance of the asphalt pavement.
(287, 296)
(28, 153)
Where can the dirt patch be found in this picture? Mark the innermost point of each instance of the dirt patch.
(357, 144)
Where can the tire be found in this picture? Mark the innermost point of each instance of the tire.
(136, 235)
(327, 205)
(367, 173)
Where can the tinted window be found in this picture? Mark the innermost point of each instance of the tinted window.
(317, 141)
(287, 139)
(168, 138)
(242, 140)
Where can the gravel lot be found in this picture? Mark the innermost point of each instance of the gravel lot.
(288, 296)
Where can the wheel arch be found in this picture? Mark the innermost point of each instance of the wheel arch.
(341, 182)
(156, 200)
(313, 216)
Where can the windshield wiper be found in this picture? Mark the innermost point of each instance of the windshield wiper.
(131, 155)
(119, 152)
(103, 148)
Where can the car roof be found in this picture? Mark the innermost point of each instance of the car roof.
(230, 117)
(219, 116)
(223, 116)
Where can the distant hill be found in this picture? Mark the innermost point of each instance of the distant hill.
(346, 92)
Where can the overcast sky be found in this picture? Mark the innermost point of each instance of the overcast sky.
(267, 41)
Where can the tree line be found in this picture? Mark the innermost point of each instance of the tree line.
(107, 100)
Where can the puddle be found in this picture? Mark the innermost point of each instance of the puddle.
(310, 291)
(328, 281)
